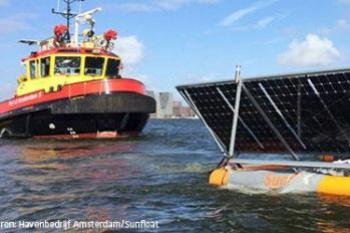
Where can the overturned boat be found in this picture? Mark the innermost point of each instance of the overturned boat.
(300, 120)
(72, 88)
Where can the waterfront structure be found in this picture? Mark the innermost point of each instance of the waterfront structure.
(168, 108)
(165, 105)
(181, 111)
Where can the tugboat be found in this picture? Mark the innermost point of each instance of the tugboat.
(72, 88)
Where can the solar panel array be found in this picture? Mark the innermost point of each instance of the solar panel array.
(310, 111)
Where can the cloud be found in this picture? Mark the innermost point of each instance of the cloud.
(162, 5)
(4, 3)
(343, 24)
(260, 24)
(132, 52)
(200, 78)
(313, 51)
(175, 4)
(15, 23)
(130, 49)
(239, 14)
(265, 22)
(344, 1)
(136, 7)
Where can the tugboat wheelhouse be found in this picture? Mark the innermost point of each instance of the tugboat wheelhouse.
(53, 71)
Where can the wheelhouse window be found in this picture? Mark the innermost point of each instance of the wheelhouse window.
(113, 68)
(67, 65)
(45, 67)
(32, 69)
(94, 66)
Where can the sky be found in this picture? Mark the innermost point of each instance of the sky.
(165, 43)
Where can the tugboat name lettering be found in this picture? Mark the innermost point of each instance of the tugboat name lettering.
(25, 99)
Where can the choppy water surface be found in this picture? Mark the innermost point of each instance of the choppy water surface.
(161, 176)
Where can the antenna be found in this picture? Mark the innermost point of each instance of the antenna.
(238, 73)
(68, 15)
(58, 5)
(80, 7)
(85, 17)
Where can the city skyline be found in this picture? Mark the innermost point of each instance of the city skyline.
(168, 107)
(165, 43)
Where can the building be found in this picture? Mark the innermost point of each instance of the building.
(168, 108)
(180, 111)
(165, 105)
(164, 101)
(177, 105)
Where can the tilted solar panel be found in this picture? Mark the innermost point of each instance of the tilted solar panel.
(304, 113)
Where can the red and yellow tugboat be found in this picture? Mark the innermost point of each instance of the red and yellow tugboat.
(73, 89)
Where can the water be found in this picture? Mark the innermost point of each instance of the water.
(161, 176)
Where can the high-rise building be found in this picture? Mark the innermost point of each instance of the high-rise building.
(177, 105)
(151, 93)
(168, 108)
(165, 106)
(181, 111)
(164, 101)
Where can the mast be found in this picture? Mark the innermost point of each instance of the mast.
(68, 15)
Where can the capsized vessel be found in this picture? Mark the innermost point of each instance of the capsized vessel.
(73, 88)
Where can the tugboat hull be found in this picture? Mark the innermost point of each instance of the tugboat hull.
(113, 115)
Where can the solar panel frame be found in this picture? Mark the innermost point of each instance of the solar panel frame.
(309, 111)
